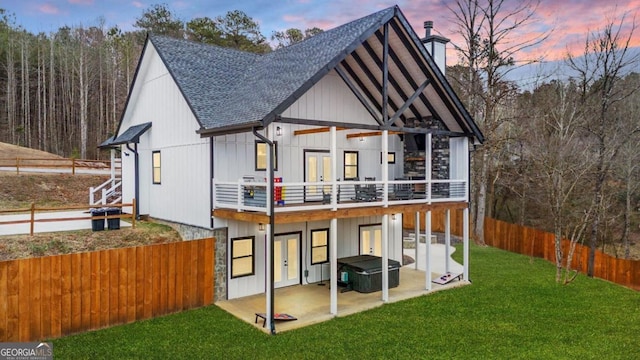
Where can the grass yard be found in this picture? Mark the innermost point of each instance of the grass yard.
(513, 310)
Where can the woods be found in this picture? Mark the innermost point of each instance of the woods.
(561, 154)
(64, 91)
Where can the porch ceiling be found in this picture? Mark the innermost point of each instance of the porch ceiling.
(323, 214)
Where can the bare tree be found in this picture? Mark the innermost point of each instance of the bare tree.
(599, 71)
(491, 45)
(554, 146)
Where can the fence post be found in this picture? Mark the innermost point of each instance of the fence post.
(33, 210)
(91, 196)
(17, 166)
(73, 166)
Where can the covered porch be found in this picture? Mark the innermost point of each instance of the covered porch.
(310, 304)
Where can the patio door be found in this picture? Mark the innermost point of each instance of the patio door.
(371, 240)
(317, 167)
(286, 263)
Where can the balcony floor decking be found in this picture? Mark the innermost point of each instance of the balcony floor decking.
(367, 209)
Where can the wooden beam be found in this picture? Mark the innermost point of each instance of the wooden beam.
(319, 215)
(315, 131)
(372, 133)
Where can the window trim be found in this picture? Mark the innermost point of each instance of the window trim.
(253, 256)
(344, 164)
(255, 155)
(325, 230)
(153, 167)
(391, 157)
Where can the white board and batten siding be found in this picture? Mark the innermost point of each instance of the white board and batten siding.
(329, 100)
(459, 159)
(183, 194)
(348, 245)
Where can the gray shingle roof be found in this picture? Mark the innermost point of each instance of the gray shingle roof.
(131, 135)
(227, 88)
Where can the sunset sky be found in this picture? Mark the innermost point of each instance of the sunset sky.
(568, 20)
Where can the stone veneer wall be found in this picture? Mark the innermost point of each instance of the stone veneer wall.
(190, 232)
(439, 157)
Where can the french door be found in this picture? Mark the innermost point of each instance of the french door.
(371, 240)
(286, 263)
(317, 167)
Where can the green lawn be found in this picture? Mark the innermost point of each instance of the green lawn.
(512, 310)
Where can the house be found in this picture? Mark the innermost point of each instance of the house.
(300, 157)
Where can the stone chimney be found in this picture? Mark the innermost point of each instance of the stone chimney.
(436, 46)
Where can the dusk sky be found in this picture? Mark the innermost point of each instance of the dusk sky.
(569, 19)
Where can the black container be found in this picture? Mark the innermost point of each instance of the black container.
(97, 219)
(113, 224)
(365, 272)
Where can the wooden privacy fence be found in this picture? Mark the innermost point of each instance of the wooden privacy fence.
(536, 243)
(34, 209)
(48, 297)
(437, 221)
(53, 163)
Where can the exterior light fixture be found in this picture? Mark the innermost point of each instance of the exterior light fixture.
(260, 227)
(361, 138)
(393, 217)
(278, 131)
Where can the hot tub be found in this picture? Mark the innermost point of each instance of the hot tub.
(364, 272)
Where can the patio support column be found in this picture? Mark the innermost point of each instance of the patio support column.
(427, 230)
(334, 167)
(428, 164)
(417, 232)
(385, 258)
(333, 259)
(465, 243)
(447, 240)
(269, 279)
(385, 168)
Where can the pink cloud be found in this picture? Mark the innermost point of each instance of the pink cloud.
(48, 9)
(293, 18)
(81, 2)
(137, 4)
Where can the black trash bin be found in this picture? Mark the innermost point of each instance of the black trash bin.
(97, 219)
(113, 224)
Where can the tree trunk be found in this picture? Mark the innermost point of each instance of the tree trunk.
(481, 203)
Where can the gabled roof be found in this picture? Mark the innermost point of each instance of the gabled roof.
(231, 91)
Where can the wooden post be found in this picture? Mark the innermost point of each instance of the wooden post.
(133, 213)
(33, 210)
(73, 166)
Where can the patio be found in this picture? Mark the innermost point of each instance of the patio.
(310, 303)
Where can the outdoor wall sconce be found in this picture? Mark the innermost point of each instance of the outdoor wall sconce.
(361, 138)
(278, 131)
(393, 217)
(260, 227)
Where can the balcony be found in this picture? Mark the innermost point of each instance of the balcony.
(250, 196)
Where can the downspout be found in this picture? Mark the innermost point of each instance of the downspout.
(137, 180)
(211, 174)
(271, 226)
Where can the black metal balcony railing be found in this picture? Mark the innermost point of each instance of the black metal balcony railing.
(245, 195)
